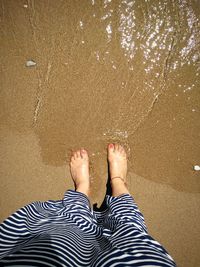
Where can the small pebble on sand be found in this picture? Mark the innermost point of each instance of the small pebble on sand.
(30, 63)
(197, 168)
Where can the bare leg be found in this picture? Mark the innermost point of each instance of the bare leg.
(117, 159)
(79, 167)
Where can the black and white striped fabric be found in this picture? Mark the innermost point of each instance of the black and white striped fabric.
(69, 233)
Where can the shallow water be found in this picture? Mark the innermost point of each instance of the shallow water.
(106, 71)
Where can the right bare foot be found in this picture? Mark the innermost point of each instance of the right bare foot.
(79, 167)
(117, 159)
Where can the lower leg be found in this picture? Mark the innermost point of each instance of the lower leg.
(83, 188)
(118, 187)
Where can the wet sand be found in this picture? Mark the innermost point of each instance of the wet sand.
(106, 71)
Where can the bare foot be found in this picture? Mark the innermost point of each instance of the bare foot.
(117, 159)
(79, 167)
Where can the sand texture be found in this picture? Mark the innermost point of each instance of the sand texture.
(85, 73)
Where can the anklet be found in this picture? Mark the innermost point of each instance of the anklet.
(119, 178)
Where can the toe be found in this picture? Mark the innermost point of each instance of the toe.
(121, 148)
(74, 154)
(74, 157)
(71, 160)
(83, 153)
(116, 147)
(78, 153)
(123, 151)
(111, 147)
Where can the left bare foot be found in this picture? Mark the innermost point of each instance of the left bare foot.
(79, 167)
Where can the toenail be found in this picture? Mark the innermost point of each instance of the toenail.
(111, 145)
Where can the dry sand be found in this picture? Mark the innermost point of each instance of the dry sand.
(103, 72)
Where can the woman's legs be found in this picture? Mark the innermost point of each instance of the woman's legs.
(130, 238)
(79, 167)
(117, 160)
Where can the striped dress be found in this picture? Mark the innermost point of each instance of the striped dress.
(69, 232)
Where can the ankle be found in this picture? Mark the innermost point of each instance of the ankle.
(118, 183)
(118, 187)
(84, 191)
(83, 187)
(118, 178)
